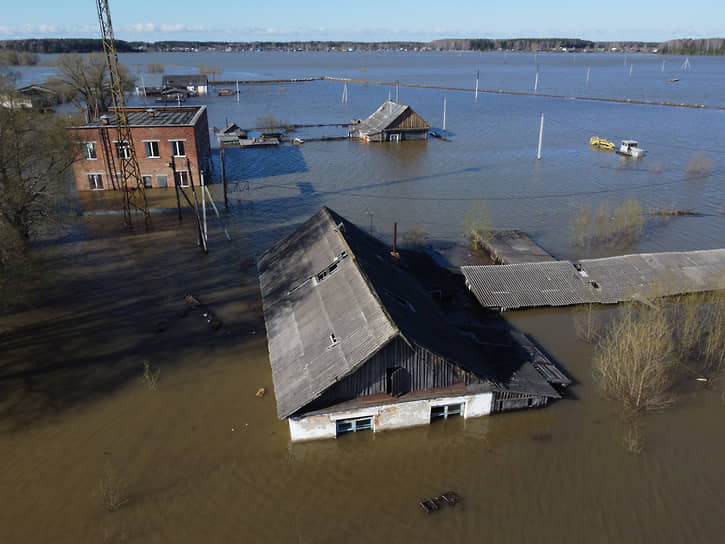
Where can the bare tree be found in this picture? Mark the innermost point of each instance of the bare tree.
(635, 361)
(35, 157)
(83, 80)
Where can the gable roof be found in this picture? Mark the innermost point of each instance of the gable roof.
(385, 116)
(331, 278)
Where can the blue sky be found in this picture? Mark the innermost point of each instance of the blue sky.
(367, 20)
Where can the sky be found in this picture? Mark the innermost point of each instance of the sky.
(366, 20)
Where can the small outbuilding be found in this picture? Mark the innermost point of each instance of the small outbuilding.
(357, 343)
(391, 122)
(194, 83)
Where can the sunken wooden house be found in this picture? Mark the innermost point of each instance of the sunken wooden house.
(356, 342)
(391, 122)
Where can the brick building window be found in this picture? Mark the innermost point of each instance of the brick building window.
(147, 182)
(161, 181)
(177, 148)
(152, 149)
(182, 178)
(95, 181)
(123, 150)
(89, 151)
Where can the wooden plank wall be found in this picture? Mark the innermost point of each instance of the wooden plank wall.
(426, 371)
(409, 120)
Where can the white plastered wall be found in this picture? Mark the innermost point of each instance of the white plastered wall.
(387, 416)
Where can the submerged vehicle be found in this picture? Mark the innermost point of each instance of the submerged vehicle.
(630, 148)
(601, 143)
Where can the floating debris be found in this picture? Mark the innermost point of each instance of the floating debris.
(192, 300)
(260, 392)
(432, 504)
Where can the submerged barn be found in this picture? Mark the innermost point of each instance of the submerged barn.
(356, 342)
(391, 122)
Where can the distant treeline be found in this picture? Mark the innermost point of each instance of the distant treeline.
(69, 45)
(709, 46)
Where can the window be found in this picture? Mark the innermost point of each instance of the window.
(123, 150)
(182, 178)
(161, 181)
(177, 148)
(95, 182)
(445, 411)
(147, 181)
(152, 150)
(354, 425)
(89, 151)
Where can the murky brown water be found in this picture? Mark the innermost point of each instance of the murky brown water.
(203, 459)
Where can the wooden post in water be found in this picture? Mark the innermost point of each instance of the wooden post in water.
(224, 180)
(536, 81)
(444, 116)
(477, 76)
(589, 70)
(541, 135)
(237, 91)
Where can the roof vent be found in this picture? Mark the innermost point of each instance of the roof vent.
(105, 119)
(151, 112)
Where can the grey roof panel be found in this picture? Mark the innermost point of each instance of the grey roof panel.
(381, 118)
(163, 116)
(606, 281)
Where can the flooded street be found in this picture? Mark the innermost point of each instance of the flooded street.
(201, 458)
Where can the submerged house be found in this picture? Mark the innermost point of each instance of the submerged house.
(391, 122)
(356, 342)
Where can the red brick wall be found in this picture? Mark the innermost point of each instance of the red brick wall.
(196, 148)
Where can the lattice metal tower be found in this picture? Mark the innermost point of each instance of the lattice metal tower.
(130, 183)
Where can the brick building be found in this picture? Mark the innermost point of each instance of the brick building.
(171, 143)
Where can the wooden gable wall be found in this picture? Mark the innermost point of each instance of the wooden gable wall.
(426, 371)
(409, 121)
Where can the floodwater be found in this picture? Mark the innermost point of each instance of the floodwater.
(202, 458)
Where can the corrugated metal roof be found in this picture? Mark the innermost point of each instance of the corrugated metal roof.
(162, 116)
(381, 118)
(364, 302)
(606, 281)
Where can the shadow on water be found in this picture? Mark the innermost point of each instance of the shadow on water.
(262, 162)
(96, 309)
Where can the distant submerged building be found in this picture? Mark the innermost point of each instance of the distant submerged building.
(391, 122)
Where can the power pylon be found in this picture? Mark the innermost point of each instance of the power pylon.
(130, 183)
